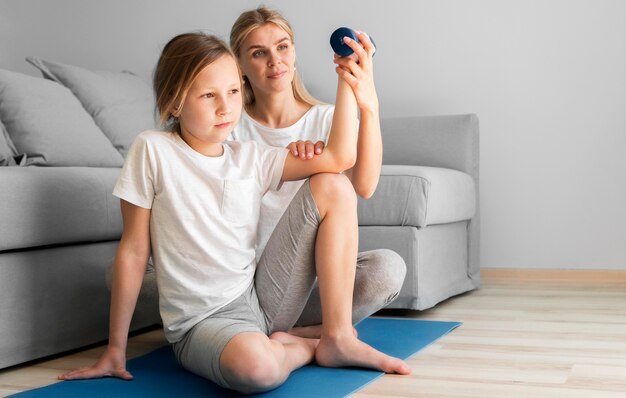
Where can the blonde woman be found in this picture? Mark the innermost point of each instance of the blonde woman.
(278, 111)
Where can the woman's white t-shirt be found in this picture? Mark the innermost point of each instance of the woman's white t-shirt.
(314, 126)
(203, 224)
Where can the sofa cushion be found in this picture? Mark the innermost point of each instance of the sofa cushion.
(7, 150)
(47, 123)
(419, 196)
(57, 205)
(121, 103)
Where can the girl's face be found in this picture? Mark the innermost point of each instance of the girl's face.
(267, 57)
(213, 104)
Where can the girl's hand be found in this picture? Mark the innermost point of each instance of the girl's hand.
(357, 70)
(306, 149)
(112, 363)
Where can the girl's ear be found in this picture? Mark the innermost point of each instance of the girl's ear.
(176, 111)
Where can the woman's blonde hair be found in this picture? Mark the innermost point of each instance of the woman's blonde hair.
(246, 23)
(181, 60)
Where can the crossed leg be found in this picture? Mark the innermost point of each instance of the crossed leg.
(232, 348)
(253, 362)
(335, 253)
(379, 278)
(317, 235)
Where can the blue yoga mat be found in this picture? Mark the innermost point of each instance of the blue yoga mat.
(157, 374)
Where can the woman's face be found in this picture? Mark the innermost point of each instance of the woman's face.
(267, 57)
(213, 104)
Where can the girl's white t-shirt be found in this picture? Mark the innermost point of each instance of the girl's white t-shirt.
(204, 218)
(314, 126)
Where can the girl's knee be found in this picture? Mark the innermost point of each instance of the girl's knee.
(258, 375)
(251, 369)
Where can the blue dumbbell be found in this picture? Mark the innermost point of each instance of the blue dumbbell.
(339, 47)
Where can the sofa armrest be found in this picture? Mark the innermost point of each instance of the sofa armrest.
(448, 141)
(419, 196)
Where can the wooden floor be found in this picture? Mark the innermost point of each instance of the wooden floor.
(526, 333)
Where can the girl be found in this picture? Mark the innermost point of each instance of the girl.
(278, 110)
(192, 201)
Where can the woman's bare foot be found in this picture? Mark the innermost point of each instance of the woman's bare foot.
(347, 350)
(312, 332)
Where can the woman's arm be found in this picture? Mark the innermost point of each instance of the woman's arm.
(366, 171)
(128, 272)
(340, 152)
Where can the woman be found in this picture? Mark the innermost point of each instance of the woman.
(278, 111)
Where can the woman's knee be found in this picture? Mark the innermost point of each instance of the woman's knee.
(396, 271)
(396, 267)
(331, 189)
(383, 273)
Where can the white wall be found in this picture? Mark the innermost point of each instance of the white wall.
(547, 79)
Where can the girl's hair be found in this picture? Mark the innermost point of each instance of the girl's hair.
(182, 59)
(246, 23)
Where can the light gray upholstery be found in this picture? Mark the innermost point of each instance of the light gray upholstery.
(7, 150)
(419, 196)
(57, 205)
(54, 299)
(45, 121)
(121, 103)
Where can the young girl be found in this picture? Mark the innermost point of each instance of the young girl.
(278, 110)
(192, 201)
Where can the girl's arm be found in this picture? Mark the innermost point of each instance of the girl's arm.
(128, 272)
(340, 152)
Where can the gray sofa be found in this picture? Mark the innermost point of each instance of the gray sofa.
(61, 232)
(61, 149)
(61, 225)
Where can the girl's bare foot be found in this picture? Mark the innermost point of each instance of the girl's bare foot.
(312, 332)
(307, 345)
(347, 350)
